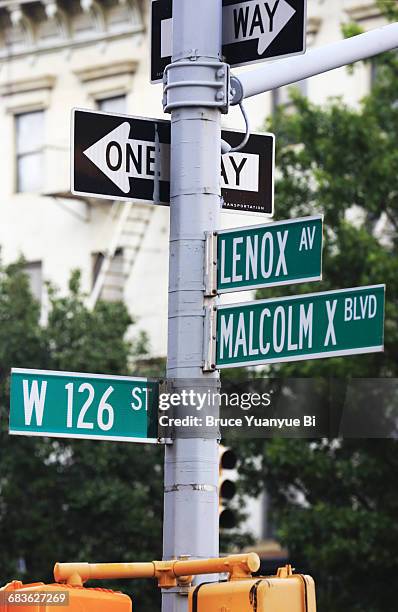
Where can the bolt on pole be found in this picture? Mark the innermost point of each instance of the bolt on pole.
(193, 95)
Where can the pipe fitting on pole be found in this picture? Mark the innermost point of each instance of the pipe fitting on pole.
(168, 573)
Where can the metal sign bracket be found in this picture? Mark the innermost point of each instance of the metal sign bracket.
(210, 339)
(210, 271)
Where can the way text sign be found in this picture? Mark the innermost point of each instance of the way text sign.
(329, 324)
(280, 253)
(252, 31)
(128, 158)
(89, 406)
(247, 176)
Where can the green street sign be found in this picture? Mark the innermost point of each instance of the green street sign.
(88, 406)
(311, 326)
(267, 255)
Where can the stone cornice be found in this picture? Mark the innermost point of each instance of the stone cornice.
(27, 85)
(362, 9)
(36, 26)
(92, 73)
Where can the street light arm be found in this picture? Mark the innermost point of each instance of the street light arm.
(316, 61)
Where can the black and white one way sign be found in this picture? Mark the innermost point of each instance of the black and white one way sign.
(120, 157)
(252, 31)
(128, 158)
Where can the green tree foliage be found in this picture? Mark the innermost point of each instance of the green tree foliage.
(389, 8)
(336, 503)
(63, 500)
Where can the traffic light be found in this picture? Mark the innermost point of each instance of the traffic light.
(281, 593)
(40, 597)
(240, 593)
(226, 487)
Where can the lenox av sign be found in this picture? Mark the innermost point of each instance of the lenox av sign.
(128, 158)
(280, 253)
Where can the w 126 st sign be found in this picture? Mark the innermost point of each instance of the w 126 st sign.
(252, 31)
(128, 158)
(89, 406)
(333, 323)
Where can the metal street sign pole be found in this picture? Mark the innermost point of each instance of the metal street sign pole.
(191, 465)
(316, 61)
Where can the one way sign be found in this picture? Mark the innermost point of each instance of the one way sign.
(120, 157)
(128, 158)
(252, 31)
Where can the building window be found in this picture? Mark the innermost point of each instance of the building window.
(115, 104)
(282, 95)
(33, 271)
(29, 129)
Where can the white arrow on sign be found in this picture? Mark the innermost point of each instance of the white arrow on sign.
(244, 21)
(120, 157)
(255, 20)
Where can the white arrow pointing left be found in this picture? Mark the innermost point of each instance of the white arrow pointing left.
(120, 157)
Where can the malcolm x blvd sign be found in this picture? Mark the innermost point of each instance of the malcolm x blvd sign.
(280, 253)
(128, 158)
(311, 326)
(89, 406)
(252, 31)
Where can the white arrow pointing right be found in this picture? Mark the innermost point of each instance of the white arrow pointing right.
(255, 19)
(251, 20)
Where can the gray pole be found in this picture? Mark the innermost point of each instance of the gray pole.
(191, 464)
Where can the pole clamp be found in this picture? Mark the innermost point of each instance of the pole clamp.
(207, 85)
